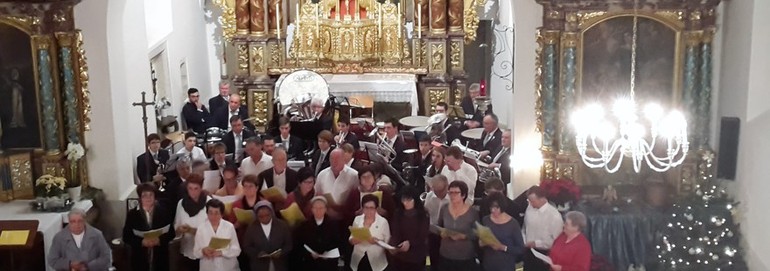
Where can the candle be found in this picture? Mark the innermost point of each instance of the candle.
(483, 88)
(419, 19)
(379, 21)
(278, 20)
(398, 6)
(296, 22)
(337, 10)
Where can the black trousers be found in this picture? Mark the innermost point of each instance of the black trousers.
(531, 263)
(434, 246)
(364, 264)
(190, 264)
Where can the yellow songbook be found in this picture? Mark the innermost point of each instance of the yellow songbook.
(274, 194)
(293, 215)
(219, 243)
(361, 234)
(14, 237)
(244, 216)
(485, 235)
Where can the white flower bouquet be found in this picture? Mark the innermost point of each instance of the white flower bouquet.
(48, 186)
(74, 152)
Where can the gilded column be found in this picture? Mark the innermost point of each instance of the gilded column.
(438, 14)
(690, 83)
(48, 95)
(704, 103)
(71, 115)
(257, 20)
(242, 16)
(546, 86)
(567, 97)
(455, 16)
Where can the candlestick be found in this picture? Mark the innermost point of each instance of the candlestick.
(278, 20)
(337, 10)
(379, 21)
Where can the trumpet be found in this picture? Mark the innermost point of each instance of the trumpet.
(384, 149)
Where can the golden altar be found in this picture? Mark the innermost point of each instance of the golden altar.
(346, 37)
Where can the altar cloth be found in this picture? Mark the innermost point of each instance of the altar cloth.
(383, 87)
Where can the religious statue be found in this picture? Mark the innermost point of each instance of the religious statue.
(17, 105)
(347, 8)
(438, 14)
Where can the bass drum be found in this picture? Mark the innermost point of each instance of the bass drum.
(297, 89)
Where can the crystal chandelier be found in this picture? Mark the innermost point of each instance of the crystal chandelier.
(605, 144)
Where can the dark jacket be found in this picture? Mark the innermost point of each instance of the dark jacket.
(255, 243)
(146, 166)
(316, 157)
(217, 102)
(413, 228)
(137, 220)
(492, 144)
(504, 161)
(470, 109)
(296, 149)
(197, 121)
(214, 166)
(320, 238)
(229, 141)
(266, 177)
(352, 139)
(93, 251)
(399, 146)
(222, 117)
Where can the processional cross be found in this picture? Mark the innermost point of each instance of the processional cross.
(144, 105)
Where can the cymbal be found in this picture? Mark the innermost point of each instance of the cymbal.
(474, 133)
(414, 121)
(177, 136)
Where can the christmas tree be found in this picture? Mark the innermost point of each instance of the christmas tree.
(700, 232)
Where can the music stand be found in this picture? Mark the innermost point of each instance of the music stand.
(455, 111)
(18, 225)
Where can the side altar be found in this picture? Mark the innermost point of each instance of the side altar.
(44, 85)
(425, 38)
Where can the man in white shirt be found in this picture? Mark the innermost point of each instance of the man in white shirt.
(456, 169)
(542, 224)
(435, 199)
(190, 150)
(337, 180)
(257, 160)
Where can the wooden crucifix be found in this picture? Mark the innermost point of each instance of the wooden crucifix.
(144, 105)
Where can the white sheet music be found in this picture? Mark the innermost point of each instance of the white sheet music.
(211, 180)
(542, 256)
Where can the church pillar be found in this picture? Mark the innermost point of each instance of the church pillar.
(47, 86)
(690, 83)
(242, 17)
(546, 82)
(567, 97)
(67, 58)
(704, 104)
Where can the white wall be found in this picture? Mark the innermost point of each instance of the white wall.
(116, 43)
(501, 82)
(744, 94)
(526, 158)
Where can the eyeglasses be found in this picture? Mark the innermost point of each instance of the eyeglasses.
(454, 192)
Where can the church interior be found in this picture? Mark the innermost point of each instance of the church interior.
(637, 122)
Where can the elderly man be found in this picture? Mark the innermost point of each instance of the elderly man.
(79, 246)
(337, 180)
(542, 224)
(318, 105)
(234, 108)
(456, 169)
(435, 199)
(257, 160)
(491, 136)
(221, 100)
(279, 175)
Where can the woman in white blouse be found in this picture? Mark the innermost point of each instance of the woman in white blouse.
(223, 259)
(367, 254)
(190, 215)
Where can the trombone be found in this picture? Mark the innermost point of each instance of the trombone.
(384, 149)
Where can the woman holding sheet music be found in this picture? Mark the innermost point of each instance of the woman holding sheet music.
(148, 253)
(267, 241)
(368, 254)
(190, 214)
(216, 243)
(250, 184)
(304, 192)
(318, 240)
(502, 256)
(456, 221)
(410, 230)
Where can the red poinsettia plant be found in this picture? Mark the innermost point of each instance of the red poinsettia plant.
(561, 191)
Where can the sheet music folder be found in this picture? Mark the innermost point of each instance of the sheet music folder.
(14, 228)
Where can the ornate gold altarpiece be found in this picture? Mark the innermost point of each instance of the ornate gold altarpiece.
(61, 87)
(347, 36)
(560, 74)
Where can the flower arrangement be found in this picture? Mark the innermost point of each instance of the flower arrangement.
(561, 191)
(74, 152)
(48, 186)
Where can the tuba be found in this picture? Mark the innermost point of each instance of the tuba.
(435, 128)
